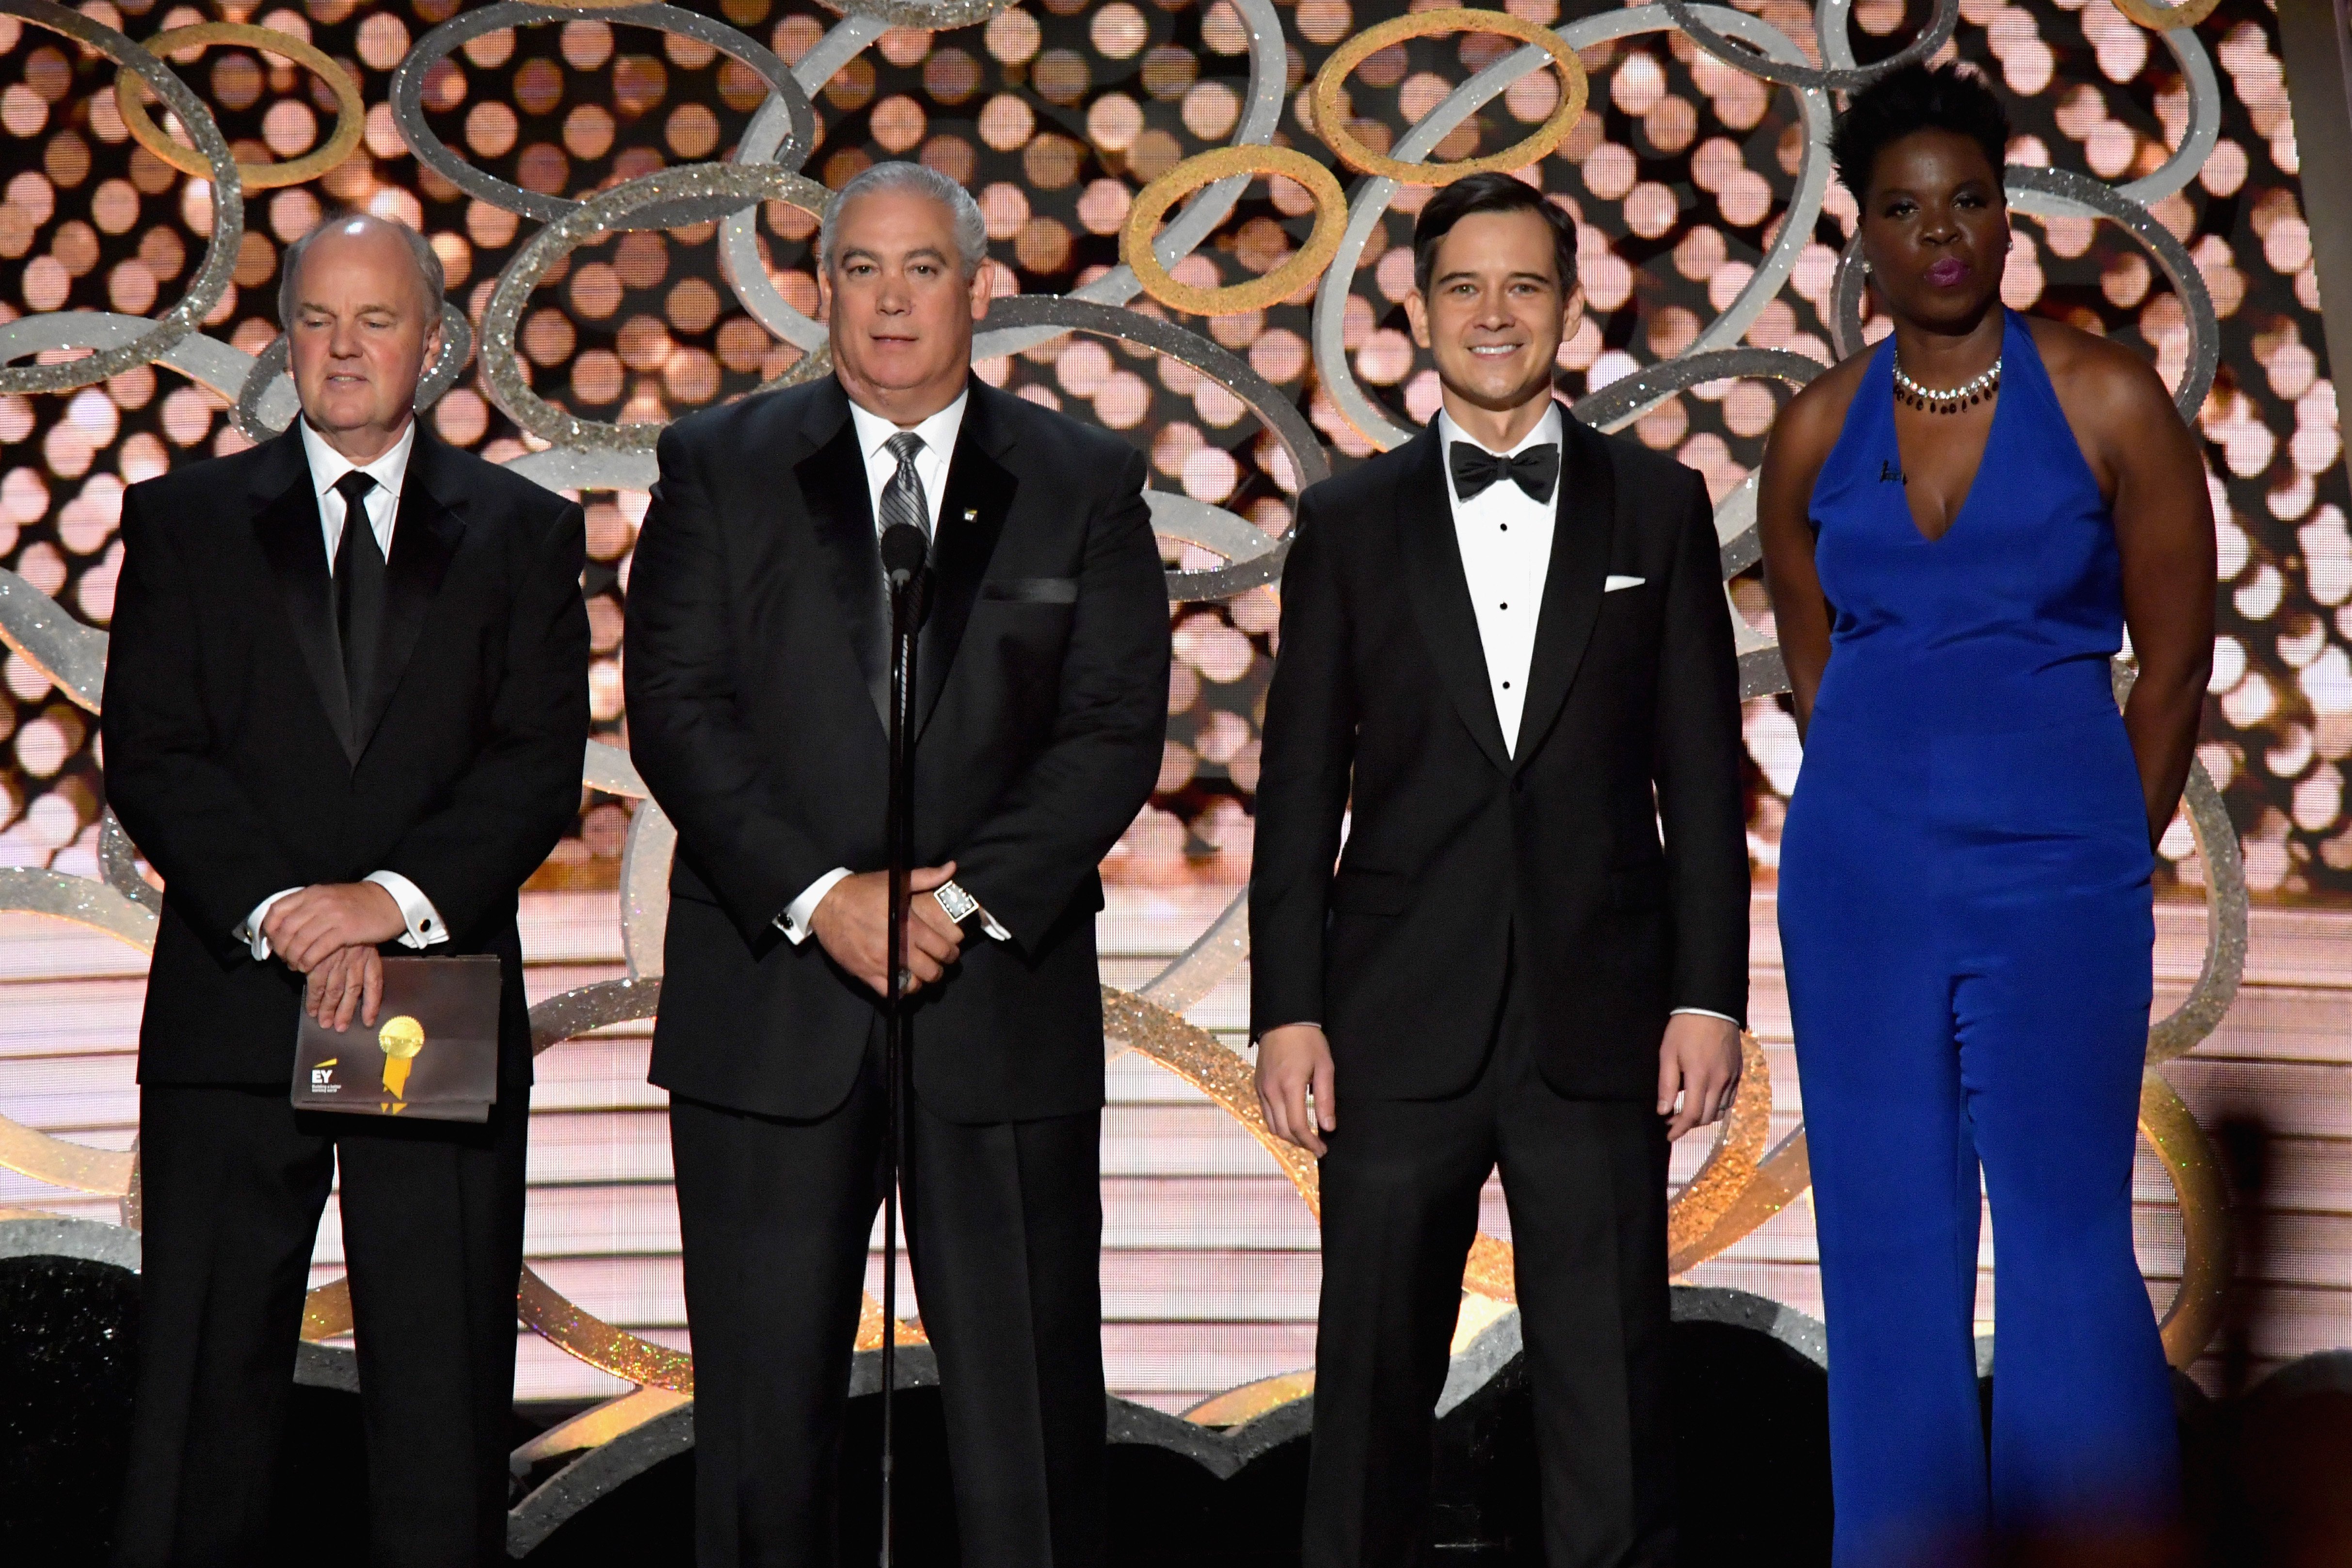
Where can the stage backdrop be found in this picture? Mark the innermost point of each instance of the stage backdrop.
(2154, 184)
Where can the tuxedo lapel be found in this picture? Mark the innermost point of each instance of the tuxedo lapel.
(1585, 519)
(841, 515)
(286, 523)
(1440, 594)
(424, 539)
(971, 516)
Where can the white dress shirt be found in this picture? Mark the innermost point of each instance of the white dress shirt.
(874, 437)
(1505, 537)
(382, 504)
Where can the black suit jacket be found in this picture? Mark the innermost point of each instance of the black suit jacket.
(1464, 857)
(757, 684)
(224, 721)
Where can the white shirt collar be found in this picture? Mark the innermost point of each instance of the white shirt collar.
(939, 432)
(1548, 428)
(326, 464)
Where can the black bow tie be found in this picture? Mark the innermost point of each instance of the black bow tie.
(1534, 470)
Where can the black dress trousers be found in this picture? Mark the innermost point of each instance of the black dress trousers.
(234, 1183)
(1586, 1183)
(1003, 1231)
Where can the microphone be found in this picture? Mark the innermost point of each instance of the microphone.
(904, 552)
(904, 549)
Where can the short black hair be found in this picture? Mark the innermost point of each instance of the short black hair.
(1950, 98)
(1489, 194)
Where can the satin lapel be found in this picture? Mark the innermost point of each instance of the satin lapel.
(1440, 594)
(971, 517)
(1580, 535)
(287, 527)
(424, 541)
(841, 514)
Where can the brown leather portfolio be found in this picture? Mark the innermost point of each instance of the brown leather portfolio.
(433, 1053)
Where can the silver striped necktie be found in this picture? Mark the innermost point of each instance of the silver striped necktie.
(902, 499)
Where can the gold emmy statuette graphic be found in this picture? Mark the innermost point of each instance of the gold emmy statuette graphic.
(401, 1038)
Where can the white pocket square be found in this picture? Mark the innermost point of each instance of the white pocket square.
(1615, 583)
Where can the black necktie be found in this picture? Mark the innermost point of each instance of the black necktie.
(1534, 470)
(359, 589)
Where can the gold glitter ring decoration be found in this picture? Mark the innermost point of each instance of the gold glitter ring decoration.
(351, 114)
(2164, 19)
(724, 185)
(1153, 202)
(1331, 125)
(2205, 1270)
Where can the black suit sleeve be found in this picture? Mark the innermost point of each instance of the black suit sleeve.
(188, 815)
(687, 733)
(510, 807)
(1307, 761)
(1702, 802)
(1063, 815)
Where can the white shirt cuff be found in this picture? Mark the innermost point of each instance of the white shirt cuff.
(1710, 1013)
(424, 927)
(794, 922)
(250, 932)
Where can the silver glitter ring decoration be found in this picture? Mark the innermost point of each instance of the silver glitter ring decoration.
(948, 13)
(1937, 33)
(1623, 400)
(720, 186)
(408, 104)
(1372, 196)
(2045, 192)
(212, 279)
(1308, 465)
(263, 409)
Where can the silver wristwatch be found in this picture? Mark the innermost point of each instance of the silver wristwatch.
(959, 906)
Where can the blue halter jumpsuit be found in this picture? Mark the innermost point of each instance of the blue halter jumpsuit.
(1965, 918)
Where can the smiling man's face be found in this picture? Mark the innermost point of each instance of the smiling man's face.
(897, 304)
(1495, 313)
(363, 330)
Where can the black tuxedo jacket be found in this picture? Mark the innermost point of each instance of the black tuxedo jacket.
(758, 681)
(1463, 858)
(235, 765)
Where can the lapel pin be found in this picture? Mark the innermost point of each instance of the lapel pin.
(970, 514)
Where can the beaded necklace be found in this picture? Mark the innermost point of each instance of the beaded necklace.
(1934, 401)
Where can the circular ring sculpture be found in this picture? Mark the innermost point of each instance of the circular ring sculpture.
(1374, 195)
(1135, 237)
(408, 107)
(1937, 33)
(351, 114)
(212, 279)
(1332, 127)
(943, 16)
(717, 188)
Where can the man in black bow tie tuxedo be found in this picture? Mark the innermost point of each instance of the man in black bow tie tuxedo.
(346, 700)
(1505, 642)
(758, 683)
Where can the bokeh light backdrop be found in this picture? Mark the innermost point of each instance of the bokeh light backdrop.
(1055, 114)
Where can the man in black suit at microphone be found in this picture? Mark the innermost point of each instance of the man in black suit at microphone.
(758, 686)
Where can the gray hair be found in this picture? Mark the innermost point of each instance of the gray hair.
(970, 228)
(420, 249)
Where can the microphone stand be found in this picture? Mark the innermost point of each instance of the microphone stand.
(910, 595)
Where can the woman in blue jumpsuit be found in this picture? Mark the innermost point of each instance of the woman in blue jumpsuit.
(1958, 525)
